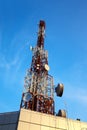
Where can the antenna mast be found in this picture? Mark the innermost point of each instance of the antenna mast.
(39, 87)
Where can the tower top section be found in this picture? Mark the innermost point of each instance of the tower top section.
(41, 34)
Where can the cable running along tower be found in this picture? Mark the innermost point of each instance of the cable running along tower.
(39, 86)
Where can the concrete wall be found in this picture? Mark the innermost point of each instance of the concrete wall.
(9, 120)
(30, 120)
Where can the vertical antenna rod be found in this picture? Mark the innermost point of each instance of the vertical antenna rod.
(41, 34)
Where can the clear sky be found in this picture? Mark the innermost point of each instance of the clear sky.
(66, 42)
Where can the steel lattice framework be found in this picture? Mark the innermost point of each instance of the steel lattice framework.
(39, 86)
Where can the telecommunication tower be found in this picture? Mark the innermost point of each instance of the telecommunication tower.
(39, 85)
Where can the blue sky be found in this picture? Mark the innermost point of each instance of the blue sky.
(66, 42)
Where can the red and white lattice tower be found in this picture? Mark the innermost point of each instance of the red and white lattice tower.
(39, 87)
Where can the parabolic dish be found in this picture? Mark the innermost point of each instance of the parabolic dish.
(31, 48)
(27, 97)
(47, 67)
